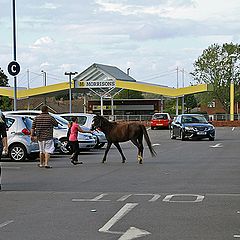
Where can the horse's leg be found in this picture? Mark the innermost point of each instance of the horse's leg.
(139, 145)
(109, 144)
(121, 152)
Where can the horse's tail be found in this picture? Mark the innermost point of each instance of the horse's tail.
(147, 139)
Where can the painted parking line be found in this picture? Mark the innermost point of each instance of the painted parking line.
(6, 223)
(218, 145)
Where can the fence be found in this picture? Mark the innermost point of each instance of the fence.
(146, 118)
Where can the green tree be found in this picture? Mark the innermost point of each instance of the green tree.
(129, 94)
(190, 102)
(5, 102)
(218, 65)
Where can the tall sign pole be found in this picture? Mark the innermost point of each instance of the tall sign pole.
(14, 52)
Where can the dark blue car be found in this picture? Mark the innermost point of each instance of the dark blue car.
(191, 126)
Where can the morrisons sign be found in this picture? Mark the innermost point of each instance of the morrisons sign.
(97, 84)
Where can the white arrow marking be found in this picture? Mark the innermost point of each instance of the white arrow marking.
(132, 232)
(219, 145)
(5, 223)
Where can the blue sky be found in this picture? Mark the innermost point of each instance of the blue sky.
(151, 37)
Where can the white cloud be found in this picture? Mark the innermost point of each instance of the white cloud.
(41, 42)
(50, 6)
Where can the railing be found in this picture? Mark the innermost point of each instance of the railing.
(144, 118)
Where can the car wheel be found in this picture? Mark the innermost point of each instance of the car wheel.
(64, 148)
(32, 156)
(172, 135)
(182, 136)
(211, 138)
(18, 152)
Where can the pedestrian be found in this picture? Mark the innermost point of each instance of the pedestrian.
(74, 128)
(42, 128)
(3, 142)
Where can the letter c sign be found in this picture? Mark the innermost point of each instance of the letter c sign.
(13, 68)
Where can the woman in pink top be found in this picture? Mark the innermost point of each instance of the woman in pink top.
(73, 140)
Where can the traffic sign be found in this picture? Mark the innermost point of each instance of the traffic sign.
(13, 68)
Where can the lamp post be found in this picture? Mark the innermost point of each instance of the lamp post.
(177, 97)
(70, 74)
(44, 84)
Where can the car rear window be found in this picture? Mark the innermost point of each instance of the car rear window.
(28, 122)
(9, 122)
(160, 116)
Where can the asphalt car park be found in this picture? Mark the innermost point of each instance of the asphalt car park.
(189, 191)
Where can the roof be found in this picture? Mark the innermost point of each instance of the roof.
(115, 72)
(98, 72)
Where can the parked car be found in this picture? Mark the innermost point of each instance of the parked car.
(160, 120)
(86, 140)
(85, 120)
(20, 146)
(191, 126)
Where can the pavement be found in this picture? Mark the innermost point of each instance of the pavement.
(191, 190)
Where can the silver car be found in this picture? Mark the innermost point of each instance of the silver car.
(86, 140)
(20, 146)
(85, 120)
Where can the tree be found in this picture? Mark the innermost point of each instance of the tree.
(129, 94)
(218, 65)
(190, 102)
(5, 102)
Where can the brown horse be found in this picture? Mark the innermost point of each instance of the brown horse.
(122, 132)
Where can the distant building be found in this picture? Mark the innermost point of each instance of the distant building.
(126, 106)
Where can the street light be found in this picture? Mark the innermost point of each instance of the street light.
(44, 84)
(70, 74)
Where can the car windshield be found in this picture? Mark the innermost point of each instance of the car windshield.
(194, 119)
(160, 116)
(62, 123)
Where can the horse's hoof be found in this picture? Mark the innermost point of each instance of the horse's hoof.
(140, 161)
(123, 161)
(103, 161)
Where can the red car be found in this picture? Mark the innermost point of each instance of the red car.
(160, 120)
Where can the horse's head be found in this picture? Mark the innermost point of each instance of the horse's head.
(97, 122)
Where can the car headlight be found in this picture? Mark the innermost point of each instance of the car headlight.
(189, 128)
(211, 128)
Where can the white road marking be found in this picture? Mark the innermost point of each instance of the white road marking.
(233, 128)
(154, 198)
(148, 129)
(93, 199)
(199, 198)
(132, 232)
(236, 236)
(120, 214)
(218, 145)
(155, 144)
(6, 223)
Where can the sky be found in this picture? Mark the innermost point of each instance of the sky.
(151, 37)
